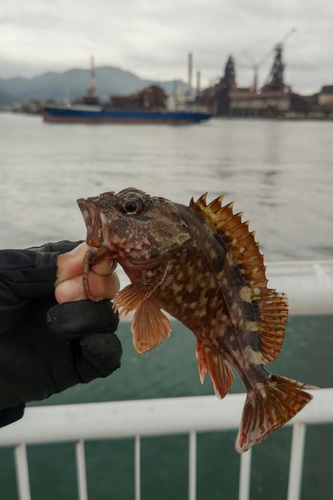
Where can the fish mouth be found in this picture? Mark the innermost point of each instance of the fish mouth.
(99, 234)
(92, 217)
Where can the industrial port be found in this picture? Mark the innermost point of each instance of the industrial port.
(276, 99)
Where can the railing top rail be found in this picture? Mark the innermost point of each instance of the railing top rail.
(308, 285)
(145, 418)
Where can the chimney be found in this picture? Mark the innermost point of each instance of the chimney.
(93, 90)
(198, 82)
(189, 89)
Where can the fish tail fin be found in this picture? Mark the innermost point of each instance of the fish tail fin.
(269, 406)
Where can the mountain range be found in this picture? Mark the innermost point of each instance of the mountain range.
(74, 83)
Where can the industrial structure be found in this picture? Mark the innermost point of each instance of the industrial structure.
(274, 99)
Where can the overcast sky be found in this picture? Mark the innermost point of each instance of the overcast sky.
(153, 37)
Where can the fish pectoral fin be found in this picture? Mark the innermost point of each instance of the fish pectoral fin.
(268, 407)
(130, 297)
(212, 362)
(150, 327)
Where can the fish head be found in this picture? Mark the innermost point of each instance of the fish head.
(136, 229)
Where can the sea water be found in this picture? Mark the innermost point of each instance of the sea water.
(281, 174)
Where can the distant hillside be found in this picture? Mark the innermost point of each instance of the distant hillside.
(6, 99)
(74, 83)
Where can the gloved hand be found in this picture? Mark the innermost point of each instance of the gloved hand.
(46, 347)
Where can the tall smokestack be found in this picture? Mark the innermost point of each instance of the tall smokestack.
(93, 90)
(198, 81)
(189, 89)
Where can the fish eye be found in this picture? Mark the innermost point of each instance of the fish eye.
(132, 204)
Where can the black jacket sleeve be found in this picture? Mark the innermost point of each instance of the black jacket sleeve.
(46, 347)
(26, 275)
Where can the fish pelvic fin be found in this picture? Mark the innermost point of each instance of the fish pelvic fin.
(212, 362)
(150, 327)
(268, 407)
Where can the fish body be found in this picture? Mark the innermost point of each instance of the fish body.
(202, 266)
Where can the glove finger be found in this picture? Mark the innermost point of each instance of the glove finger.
(73, 320)
(30, 273)
(100, 356)
(58, 247)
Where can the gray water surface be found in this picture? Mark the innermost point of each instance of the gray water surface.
(281, 174)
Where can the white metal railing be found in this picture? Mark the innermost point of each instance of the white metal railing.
(148, 418)
(309, 286)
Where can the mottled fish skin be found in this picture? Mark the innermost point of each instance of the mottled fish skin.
(206, 292)
(202, 266)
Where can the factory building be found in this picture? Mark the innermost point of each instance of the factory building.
(274, 98)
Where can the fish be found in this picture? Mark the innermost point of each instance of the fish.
(201, 265)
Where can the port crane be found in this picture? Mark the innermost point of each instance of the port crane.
(277, 69)
(256, 66)
(275, 80)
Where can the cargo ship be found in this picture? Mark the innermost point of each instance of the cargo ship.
(77, 113)
(149, 105)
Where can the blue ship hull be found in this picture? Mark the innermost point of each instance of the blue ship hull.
(97, 114)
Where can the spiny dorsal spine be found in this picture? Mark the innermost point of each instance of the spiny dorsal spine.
(272, 306)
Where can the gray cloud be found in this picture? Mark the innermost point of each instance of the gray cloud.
(153, 38)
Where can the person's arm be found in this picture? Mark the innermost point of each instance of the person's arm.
(47, 346)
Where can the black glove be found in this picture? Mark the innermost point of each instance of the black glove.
(46, 347)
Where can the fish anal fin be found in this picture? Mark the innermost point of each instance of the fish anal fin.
(268, 407)
(212, 362)
(150, 327)
(201, 357)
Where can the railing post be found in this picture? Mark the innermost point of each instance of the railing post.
(192, 487)
(137, 465)
(245, 475)
(296, 462)
(81, 470)
(22, 472)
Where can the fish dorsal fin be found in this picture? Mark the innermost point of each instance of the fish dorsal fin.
(271, 307)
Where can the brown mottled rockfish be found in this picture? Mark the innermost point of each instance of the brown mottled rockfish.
(201, 265)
